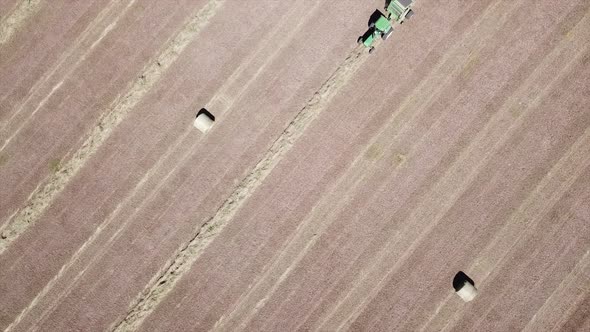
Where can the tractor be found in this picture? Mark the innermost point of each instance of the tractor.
(399, 10)
(379, 27)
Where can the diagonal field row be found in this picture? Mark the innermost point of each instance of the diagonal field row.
(14, 15)
(362, 221)
(269, 47)
(336, 190)
(42, 197)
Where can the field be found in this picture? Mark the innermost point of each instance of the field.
(337, 189)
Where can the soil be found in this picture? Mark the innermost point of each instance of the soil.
(336, 190)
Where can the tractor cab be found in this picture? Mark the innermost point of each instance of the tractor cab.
(380, 27)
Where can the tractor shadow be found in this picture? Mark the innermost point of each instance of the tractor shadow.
(374, 17)
(460, 279)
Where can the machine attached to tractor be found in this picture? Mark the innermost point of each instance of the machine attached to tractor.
(399, 10)
(381, 25)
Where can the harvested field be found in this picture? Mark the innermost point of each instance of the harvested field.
(336, 190)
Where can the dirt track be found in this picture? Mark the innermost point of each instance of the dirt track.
(337, 190)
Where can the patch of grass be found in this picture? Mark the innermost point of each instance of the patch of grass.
(469, 66)
(3, 159)
(517, 109)
(54, 165)
(374, 152)
(398, 159)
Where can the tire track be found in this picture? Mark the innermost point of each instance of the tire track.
(66, 268)
(568, 291)
(299, 243)
(522, 223)
(578, 319)
(560, 250)
(165, 281)
(449, 180)
(578, 34)
(578, 284)
(542, 270)
(19, 16)
(520, 226)
(42, 197)
(66, 58)
(455, 305)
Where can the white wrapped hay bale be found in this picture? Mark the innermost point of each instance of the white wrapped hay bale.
(204, 121)
(467, 292)
(464, 286)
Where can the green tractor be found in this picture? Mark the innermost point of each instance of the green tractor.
(399, 10)
(379, 27)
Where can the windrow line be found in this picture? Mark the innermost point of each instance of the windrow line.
(164, 282)
(42, 197)
(19, 16)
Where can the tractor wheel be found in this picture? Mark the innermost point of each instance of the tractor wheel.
(360, 40)
(372, 25)
(409, 14)
(371, 49)
(387, 34)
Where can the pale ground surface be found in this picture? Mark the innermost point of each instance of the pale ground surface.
(335, 191)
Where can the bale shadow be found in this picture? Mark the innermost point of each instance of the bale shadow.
(460, 279)
(207, 113)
